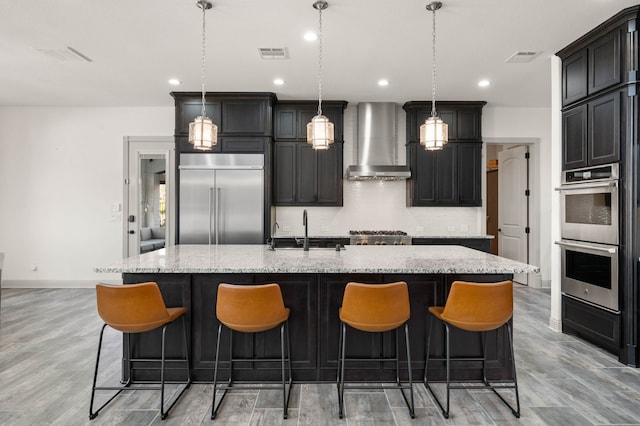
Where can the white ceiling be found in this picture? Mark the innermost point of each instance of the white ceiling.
(137, 45)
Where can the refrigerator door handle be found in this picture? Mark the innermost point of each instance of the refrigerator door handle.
(210, 202)
(217, 213)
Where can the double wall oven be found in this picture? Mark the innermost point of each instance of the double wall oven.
(590, 235)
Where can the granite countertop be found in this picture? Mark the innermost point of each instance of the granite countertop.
(431, 259)
(283, 236)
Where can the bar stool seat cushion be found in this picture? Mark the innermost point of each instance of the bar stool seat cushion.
(259, 309)
(377, 308)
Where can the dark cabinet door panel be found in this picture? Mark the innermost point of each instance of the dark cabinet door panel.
(604, 129)
(605, 62)
(468, 125)
(329, 184)
(422, 185)
(285, 124)
(188, 110)
(446, 175)
(284, 177)
(305, 174)
(574, 129)
(574, 77)
(245, 116)
(469, 168)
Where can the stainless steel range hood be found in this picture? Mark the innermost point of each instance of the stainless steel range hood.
(376, 146)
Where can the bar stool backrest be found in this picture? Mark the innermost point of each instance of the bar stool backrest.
(375, 307)
(132, 308)
(250, 308)
(479, 306)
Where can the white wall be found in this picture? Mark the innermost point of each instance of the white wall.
(529, 125)
(60, 175)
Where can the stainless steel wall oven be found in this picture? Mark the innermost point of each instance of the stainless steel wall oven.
(590, 235)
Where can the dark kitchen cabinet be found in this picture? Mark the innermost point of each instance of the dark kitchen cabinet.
(464, 119)
(291, 118)
(450, 177)
(600, 122)
(482, 244)
(244, 120)
(593, 68)
(304, 176)
(453, 175)
(591, 132)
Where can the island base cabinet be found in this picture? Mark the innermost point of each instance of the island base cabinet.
(314, 325)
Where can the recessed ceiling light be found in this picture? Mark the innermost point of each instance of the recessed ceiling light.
(383, 82)
(484, 83)
(174, 82)
(278, 82)
(310, 36)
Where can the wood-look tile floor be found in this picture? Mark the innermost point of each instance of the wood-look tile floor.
(48, 339)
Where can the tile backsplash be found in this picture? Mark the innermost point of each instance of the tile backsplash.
(379, 206)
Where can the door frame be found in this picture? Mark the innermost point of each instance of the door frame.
(535, 279)
(149, 145)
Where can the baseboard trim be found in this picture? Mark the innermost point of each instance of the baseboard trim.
(55, 283)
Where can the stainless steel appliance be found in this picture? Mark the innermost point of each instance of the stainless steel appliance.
(590, 272)
(589, 204)
(379, 238)
(221, 199)
(590, 235)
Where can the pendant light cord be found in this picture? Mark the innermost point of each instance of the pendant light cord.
(204, 10)
(433, 68)
(320, 62)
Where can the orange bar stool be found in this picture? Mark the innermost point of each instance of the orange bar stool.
(252, 309)
(137, 308)
(375, 308)
(478, 307)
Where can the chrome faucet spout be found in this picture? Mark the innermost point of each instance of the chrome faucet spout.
(305, 222)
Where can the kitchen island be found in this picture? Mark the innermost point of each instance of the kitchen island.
(312, 284)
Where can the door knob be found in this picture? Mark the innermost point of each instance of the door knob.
(132, 232)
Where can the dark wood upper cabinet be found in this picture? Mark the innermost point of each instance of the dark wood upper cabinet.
(305, 177)
(464, 119)
(605, 62)
(248, 117)
(291, 118)
(574, 77)
(452, 176)
(301, 175)
(592, 66)
(574, 137)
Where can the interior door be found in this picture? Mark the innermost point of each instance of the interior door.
(513, 208)
(149, 163)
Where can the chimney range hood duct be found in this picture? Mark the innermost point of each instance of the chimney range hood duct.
(376, 146)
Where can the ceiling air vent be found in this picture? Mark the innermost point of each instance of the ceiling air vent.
(273, 53)
(65, 54)
(521, 57)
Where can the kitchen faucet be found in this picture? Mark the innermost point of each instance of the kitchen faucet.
(305, 222)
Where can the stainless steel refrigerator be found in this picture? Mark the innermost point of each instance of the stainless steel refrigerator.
(221, 199)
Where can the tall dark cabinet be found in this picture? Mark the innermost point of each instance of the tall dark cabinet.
(245, 125)
(600, 117)
(452, 176)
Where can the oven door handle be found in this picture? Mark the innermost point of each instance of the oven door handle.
(588, 186)
(611, 250)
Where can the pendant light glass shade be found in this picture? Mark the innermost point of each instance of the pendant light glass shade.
(203, 134)
(320, 129)
(434, 133)
(320, 132)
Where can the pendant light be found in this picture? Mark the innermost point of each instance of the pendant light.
(434, 133)
(203, 133)
(320, 129)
